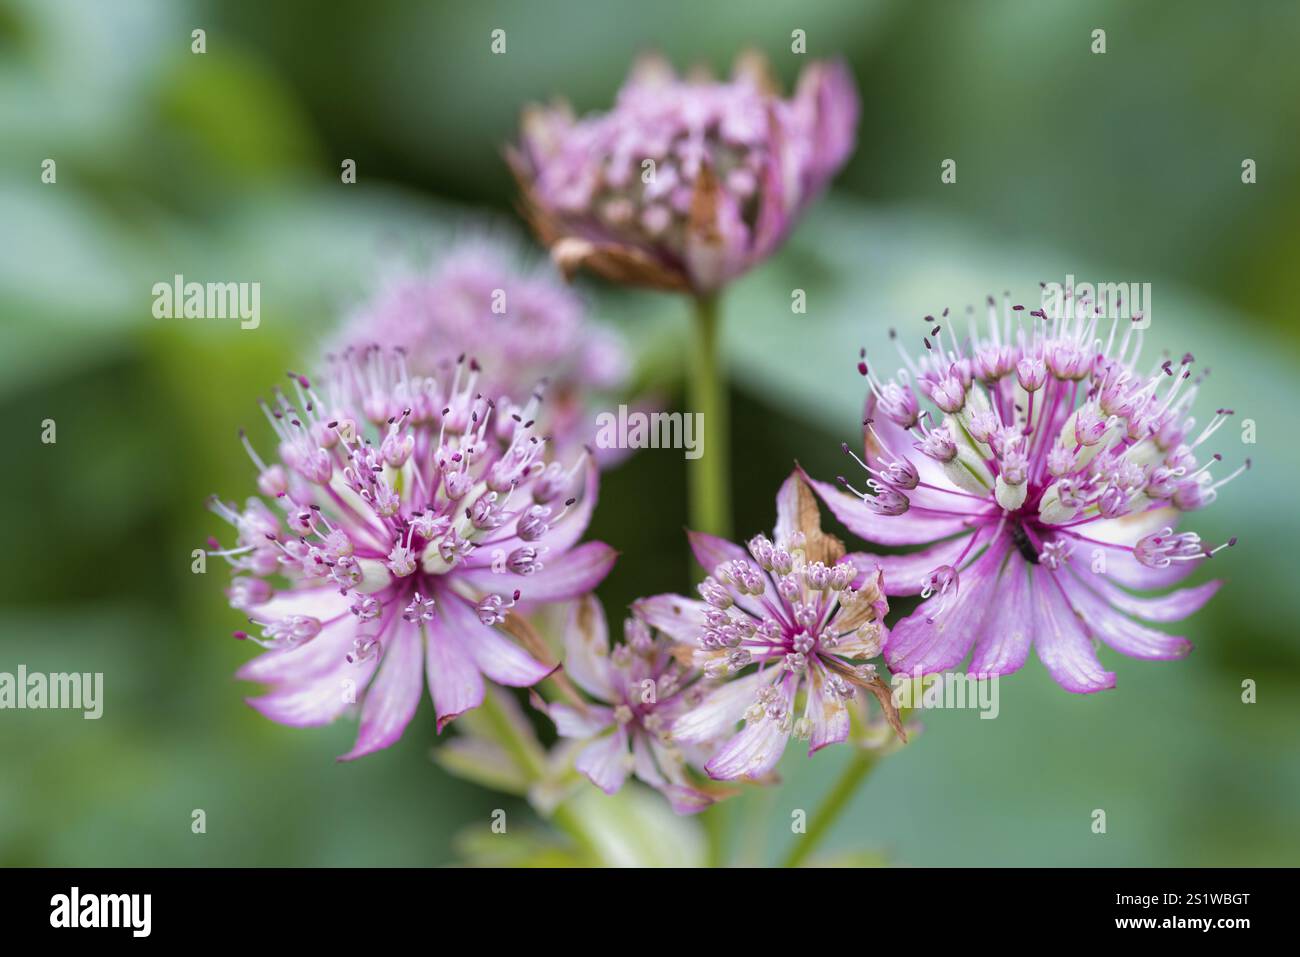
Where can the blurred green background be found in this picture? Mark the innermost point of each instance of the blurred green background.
(1123, 166)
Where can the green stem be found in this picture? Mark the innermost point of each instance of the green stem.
(709, 475)
(715, 832)
(529, 757)
(525, 753)
(570, 822)
(835, 802)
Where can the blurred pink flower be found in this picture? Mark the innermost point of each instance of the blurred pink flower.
(687, 182)
(524, 325)
(410, 514)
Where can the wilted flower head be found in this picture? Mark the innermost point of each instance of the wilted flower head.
(687, 182)
(641, 688)
(791, 614)
(524, 325)
(1047, 481)
(408, 516)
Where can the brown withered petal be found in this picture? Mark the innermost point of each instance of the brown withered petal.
(877, 686)
(884, 694)
(854, 616)
(684, 655)
(700, 73)
(819, 546)
(527, 636)
(703, 223)
(651, 69)
(624, 264)
(753, 65)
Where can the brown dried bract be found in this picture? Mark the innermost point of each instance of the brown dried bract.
(523, 632)
(818, 546)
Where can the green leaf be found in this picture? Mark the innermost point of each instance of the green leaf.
(637, 828)
(482, 761)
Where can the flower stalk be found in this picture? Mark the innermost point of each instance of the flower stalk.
(864, 761)
(832, 806)
(709, 488)
(530, 759)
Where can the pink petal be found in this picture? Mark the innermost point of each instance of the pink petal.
(1118, 536)
(682, 796)
(827, 712)
(393, 696)
(318, 700)
(711, 551)
(1117, 630)
(572, 723)
(906, 574)
(1126, 570)
(643, 762)
(899, 444)
(586, 648)
(455, 683)
(562, 577)
(1004, 641)
(911, 528)
(916, 643)
(1174, 606)
(721, 710)
(787, 509)
(755, 751)
(605, 761)
(322, 654)
(1062, 644)
(494, 654)
(779, 182)
(324, 603)
(830, 91)
(681, 619)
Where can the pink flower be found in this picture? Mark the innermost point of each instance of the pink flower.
(1045, 489)
(790, 614)
(640, 687)
(409, 516)
(686, 183)
(523, 325)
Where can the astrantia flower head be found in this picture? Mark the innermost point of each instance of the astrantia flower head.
(409, 516)
(788, 628)
(687, 182)
(640, 687)
(1046, 480)
(524, 325)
